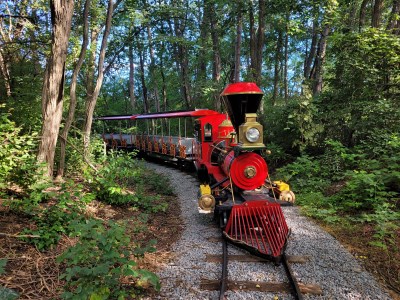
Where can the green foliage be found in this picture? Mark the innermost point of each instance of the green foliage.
(293, 126)
(114, 180)
(278, 156)
(8, 294)
(386, 219)
(123, 181)
(97, 263)
(305, 174)
(54, 220)
(361, 96)
(359, 184)
(17, 158)
(3, 263)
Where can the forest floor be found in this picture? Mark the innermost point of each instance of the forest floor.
(384, 265)
(35, 275)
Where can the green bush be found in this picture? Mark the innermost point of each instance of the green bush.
(97, 263)
(54, 220)
(17, 155)
(124, 181)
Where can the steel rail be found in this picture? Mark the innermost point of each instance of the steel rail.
(292, 280)
(224, 274)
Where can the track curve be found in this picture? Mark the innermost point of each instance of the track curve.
(330, 266)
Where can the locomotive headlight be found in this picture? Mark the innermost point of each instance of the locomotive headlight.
(252, 134)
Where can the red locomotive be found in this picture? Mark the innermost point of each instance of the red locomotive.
(226, 152)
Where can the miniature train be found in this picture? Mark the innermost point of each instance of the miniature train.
(226, 151)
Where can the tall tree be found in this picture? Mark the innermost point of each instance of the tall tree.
(92, 98)
(257, 38)
(131, 82)
(377, 13)
(394, 16)
(238, 43)
(214, 30)
(72, 93)
(53, 83)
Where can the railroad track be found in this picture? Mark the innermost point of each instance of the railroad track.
(224, 283)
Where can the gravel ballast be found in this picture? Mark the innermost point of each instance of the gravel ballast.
(330, 266)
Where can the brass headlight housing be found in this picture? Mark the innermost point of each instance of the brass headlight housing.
(252, 134)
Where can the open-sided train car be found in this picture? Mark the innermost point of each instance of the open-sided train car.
(226, 152)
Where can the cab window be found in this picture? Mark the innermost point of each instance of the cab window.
(207, 132)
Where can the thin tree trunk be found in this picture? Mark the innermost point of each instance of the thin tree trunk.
(238, 45)
(164, 84)
(278, 52)
(202, 65)
(285, 71)
(53, 84)
(320, 60)
(260, 40)
(152, 70)
(363, 9)
(216, 75)
(215, 44)
(146, 106)
(73, 101)
(394, 15)
(253, 42)
(5, 73)
(131, 77)
(313, 49)
(91, 103)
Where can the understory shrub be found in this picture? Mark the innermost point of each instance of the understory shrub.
(55, 219)
(100, 265)
(360, 184)
(17, 155)
(124, 181)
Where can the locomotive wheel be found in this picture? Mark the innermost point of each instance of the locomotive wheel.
(287, 196)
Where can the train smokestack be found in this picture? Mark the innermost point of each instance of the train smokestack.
(240, 99)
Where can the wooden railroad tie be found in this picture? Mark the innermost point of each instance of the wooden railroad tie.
(212, 285)
(295, 259)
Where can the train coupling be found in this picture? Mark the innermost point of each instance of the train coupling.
(206, 202)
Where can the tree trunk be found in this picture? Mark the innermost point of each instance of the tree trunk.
(253, 42)
(377, 14)
(216, 75)
(363, 9)
(91, 103)
(278, 54)
(73, 101)
(285, 70)
(131, 77)
(53, 84)
(202, 65)
(4, 70)
(394, 15)
(215, 44)
(146, 106)
(164, 84)
(313, 49)
(260, 40)
(238, 45)
(152, 70)
(319, 61)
